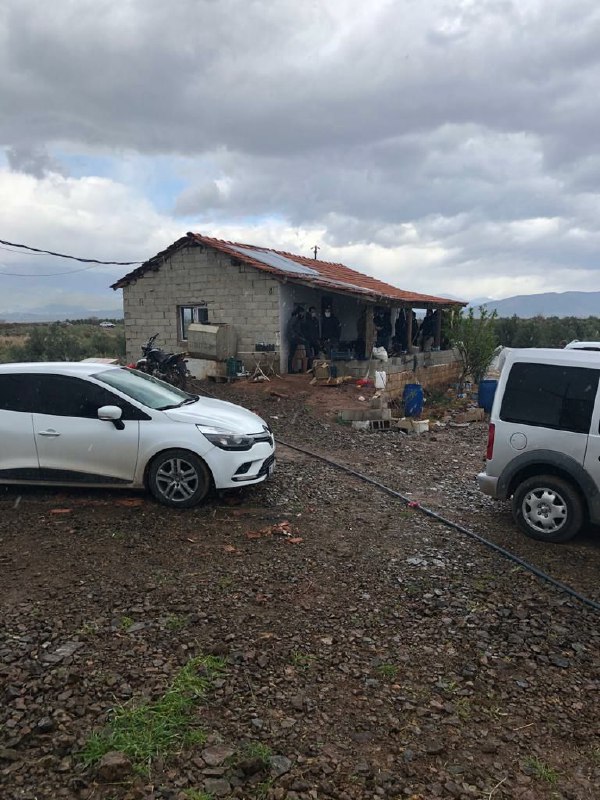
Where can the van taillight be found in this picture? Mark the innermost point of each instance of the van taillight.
(490, 445)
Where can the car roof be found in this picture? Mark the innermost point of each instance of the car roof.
(547, 355)
(56, 367)
(577, 345)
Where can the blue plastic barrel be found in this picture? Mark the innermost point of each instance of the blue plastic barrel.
(485, 395)
(412, 397)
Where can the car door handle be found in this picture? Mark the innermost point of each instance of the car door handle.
(49, 432)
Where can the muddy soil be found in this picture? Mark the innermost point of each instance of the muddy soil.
(369, 650)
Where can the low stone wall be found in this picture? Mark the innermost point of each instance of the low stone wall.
(432, 370)
(435, 376)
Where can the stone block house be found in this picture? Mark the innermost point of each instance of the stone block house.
(200, 280)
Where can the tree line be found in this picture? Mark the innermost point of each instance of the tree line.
(55, 342)
(544, 331)
(477, 337)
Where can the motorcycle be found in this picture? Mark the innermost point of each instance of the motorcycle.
(169, 367)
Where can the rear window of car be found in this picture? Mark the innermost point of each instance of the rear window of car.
(550, 396)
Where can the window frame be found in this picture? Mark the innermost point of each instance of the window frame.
(199, 316)
(76, 383)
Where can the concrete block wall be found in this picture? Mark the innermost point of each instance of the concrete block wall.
(433, 370)
(436, 376)
(238, 295)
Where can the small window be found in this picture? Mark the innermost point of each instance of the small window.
(550, 396)
(16, 392)
(189, 314)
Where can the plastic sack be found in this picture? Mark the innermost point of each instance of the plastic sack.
(380, 353)
(380, 379)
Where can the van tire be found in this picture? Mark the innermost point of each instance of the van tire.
(548, 508)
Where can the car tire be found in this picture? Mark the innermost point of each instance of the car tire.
(179, 478)
(548, 508)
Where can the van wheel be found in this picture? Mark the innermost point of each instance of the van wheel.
(179, 478)
(548, 508)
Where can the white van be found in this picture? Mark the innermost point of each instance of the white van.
(544, 441)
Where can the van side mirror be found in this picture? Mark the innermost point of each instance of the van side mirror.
(112, 414)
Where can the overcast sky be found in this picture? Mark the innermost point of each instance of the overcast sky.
(447, 146)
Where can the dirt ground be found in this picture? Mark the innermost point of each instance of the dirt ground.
(369, 651)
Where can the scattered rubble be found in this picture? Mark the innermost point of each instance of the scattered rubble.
(385, 657)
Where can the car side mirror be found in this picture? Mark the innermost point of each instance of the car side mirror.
(112, 414)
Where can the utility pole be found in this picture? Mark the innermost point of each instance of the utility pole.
(316, 248)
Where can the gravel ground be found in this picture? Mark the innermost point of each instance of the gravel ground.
(368, 650)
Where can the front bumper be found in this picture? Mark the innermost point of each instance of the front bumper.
(235, 469)
(487, 484)
(247, 472)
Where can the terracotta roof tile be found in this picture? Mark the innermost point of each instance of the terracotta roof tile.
(325, 274)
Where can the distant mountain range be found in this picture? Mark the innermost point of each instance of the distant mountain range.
(53, 313)
(549, 304)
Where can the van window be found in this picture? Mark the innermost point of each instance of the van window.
(550, 396)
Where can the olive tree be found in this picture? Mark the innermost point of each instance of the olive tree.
(475, 339)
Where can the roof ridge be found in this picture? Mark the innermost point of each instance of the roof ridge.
(331, 275)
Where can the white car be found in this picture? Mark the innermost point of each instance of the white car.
(107, 324)
(91, 424)
(577, 345)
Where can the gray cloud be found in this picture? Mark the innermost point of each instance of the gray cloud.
(287, 77)
(449, 125)
(32, 160)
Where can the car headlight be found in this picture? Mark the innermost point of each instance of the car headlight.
(226, 440)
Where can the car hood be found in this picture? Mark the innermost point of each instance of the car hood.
(218, 414)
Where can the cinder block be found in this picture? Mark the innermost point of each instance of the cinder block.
(471, 415)
(351, 415)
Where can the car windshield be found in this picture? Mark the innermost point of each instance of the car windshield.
(144, 388)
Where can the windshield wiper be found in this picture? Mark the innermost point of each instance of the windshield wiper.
(192, 399)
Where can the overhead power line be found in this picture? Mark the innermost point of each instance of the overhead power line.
(38, 251)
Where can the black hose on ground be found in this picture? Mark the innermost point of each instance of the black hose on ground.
(587, 601)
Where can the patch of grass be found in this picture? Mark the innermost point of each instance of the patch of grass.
(176, 622)
(196, 794)
(302, 660)
(542, 771)
(463, 708)
(225, 583)
(388, 671)
(262, 752)
(449, 686)
(126, 623)
(147, 730)
(494, 712)
(89, 629)
(263, 789)
(195, 737)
